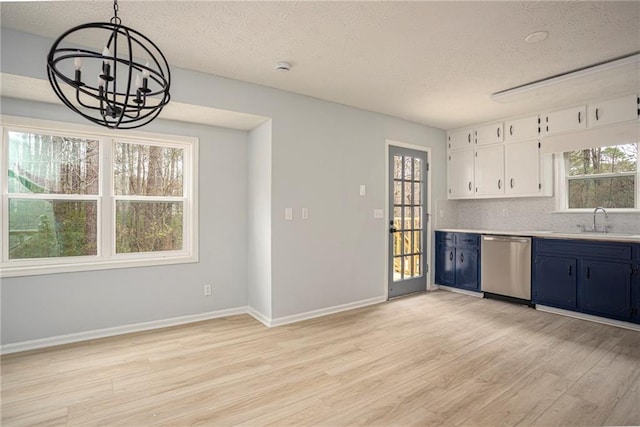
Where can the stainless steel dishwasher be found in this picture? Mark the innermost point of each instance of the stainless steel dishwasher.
(506, 267)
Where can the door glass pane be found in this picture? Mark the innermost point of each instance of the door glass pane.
(417, 264)
(397, 192)
(397, 243)
(407, 267)
(407, 224)
(52, 228)
(408, 167)
(397, 167)
(417, 217)
(397, 268)
(417, 193)
(417, 242)
(417, 169)
(408, 199)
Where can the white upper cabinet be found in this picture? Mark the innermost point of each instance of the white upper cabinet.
(522, 168)
(461, 138)
(460, 174)
(613, 111)
(489, 171)
(571, 119)
(489, 134)
(520, 129)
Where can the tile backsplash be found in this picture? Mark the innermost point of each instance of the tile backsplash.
(524, 214)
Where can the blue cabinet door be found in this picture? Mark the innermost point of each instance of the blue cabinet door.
(467, 268)
(606, 288)
(555, 282)
(445, 265)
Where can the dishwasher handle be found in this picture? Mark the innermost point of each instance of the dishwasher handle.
(506, 239)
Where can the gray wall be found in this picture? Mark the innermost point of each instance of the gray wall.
(259, 244)
(57, 304)
(320, 153)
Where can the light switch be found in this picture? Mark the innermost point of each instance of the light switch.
(288, 214)
(305, 213)
(363, 190)
(378, 213)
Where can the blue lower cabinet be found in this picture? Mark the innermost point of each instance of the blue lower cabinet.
(457, 260)
(446, 265)
(555, 282)
(467, 268)
(606, 289)
(597, 278)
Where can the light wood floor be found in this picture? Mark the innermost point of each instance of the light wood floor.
(431, 359)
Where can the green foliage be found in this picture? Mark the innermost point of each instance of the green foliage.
(602, 176)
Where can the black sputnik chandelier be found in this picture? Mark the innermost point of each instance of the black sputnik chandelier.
(124, 85)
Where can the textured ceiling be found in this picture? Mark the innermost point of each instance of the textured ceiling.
(430, 62)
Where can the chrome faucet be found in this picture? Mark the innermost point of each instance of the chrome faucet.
(604, 227)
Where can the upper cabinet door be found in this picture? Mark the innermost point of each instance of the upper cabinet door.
(489, 171)
(567, 120)
(489, 134)
(613, 111)
(522, 168)
(461, 138)
(519, 129)
(460, 171)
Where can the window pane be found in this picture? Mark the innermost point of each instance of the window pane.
(614, 159)
(52, 164)
(417, 169)
(148, 226)
(408, 167)
(52, 228)
(397, 192)
(612, 192)
(147, 170)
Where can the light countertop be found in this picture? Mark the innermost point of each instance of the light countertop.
(610, 237)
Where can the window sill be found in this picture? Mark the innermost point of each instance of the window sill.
(33, 270)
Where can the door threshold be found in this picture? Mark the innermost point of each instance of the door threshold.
(406, 295)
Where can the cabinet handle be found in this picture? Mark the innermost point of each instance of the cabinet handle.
(469, 138)
(461, 257)
(499, 184)
(498, 132)
(511, 130)
(450, 256)
(469, 185)
(579, 116)
(597, 118)
(511, 182)
(588, 272)
(569, 270)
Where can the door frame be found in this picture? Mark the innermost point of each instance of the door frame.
(387, 214)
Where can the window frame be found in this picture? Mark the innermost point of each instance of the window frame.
(106, 257)
(563, 179)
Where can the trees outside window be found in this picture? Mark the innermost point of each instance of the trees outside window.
(602, 176)
(79, 201)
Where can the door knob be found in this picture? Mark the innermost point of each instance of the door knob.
(393, 229)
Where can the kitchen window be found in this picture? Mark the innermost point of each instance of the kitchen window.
(606, 176)
(77, 198)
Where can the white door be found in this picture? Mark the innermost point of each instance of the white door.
(522, 168)
(460, 173)
(489, 171)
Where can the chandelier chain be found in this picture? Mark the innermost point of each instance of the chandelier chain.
(115, 20)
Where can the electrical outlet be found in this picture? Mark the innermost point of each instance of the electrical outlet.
(207, 290)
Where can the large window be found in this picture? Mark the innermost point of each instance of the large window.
(78, 199)
(602, 176)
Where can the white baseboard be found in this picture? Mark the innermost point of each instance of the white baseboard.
(260, 317)
(174, 321)
(325, 311)
(583, 316)
(118, 330)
